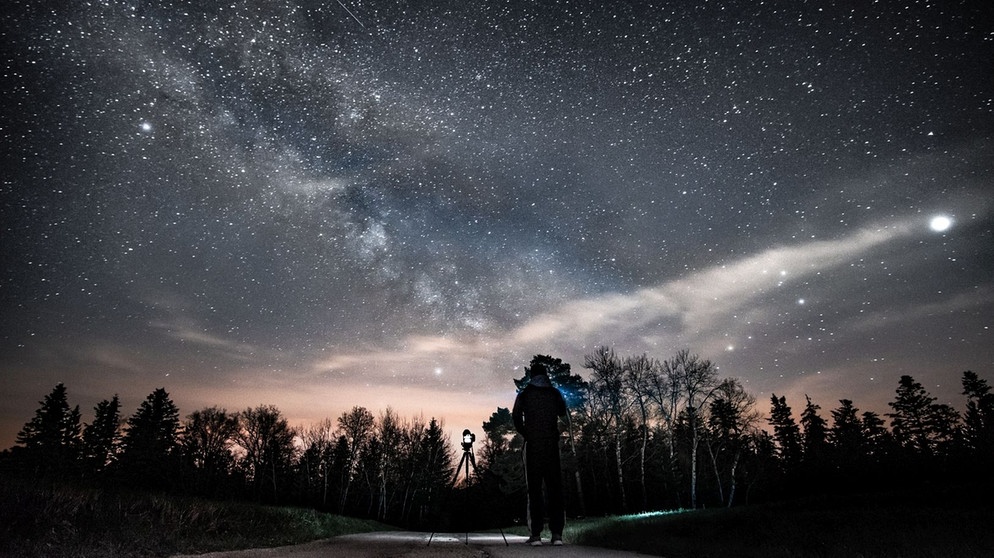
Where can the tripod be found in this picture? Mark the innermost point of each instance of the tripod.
(467, 459)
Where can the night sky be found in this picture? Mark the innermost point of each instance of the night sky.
(321, 204)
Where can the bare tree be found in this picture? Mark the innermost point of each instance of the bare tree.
(319, 442)
(390, 432)
(267, 440)
(638, 373)
(611, 398)
(732, 418)
(664, 389)
(208, 436)
(357, 427)
(697, 380)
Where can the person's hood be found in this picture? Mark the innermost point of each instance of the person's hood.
(540, 380)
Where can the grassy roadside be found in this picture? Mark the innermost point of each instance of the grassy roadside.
(821, 529)
(38, 521)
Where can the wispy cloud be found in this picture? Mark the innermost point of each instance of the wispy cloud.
(691, 309)
(700, 302)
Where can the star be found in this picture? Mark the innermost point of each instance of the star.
(940, 223)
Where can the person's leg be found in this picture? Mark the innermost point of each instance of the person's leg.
(554, 489)
(533, 477)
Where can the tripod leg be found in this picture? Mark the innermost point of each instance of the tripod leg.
(472, 460)
(455, 479)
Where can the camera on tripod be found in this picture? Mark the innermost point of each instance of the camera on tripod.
(467, 440)
(468, 460)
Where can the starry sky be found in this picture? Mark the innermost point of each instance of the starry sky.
(321, 204)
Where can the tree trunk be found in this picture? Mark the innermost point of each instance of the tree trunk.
(693, 464)
(717, 473)
(645, 442)
(324, 486)
(731, 488)
(621, 474)
(345, 493)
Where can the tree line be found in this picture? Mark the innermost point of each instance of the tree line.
(384, 467)
(649, 434)
(643, 434)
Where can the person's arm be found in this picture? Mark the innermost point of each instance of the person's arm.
(517, 415)
(561, 405)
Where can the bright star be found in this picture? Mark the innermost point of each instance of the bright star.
(940, 223)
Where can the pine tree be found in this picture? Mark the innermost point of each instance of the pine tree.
(978, 421)
(815, 434)
(102, 437)
(919, 424)
(786, 433)
(846, 435)
(150, 454)
(51, 440)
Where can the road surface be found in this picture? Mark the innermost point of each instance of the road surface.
(404, 544)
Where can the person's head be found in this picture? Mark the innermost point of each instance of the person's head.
(538, 369)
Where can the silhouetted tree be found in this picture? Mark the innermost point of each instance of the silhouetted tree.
(150, 448)
(389, 460)
(815, 437)
(51, 440)
(356, 427)
(414, 436)
(697, 380)
(637, 372)
(918, 423)
(208, 437)
(610, 398)
(880, 442)
(436, 459)
(847, 438)
(666, 394)
(318, 465)
(573, 387)
(267, 440)
(732, 422)
(978, 420)
(102, 437)
(786, 433)
(498, 433)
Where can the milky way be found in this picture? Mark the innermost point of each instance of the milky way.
(324, 204)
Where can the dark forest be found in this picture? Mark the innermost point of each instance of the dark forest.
(643, 434)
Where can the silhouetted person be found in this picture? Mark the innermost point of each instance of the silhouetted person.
(536, 416)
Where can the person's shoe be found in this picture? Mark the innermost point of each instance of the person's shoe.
(557, 540)
(534, 540)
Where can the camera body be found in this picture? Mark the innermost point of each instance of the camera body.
(467, 440)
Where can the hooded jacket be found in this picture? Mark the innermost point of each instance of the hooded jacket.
(537, 410)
